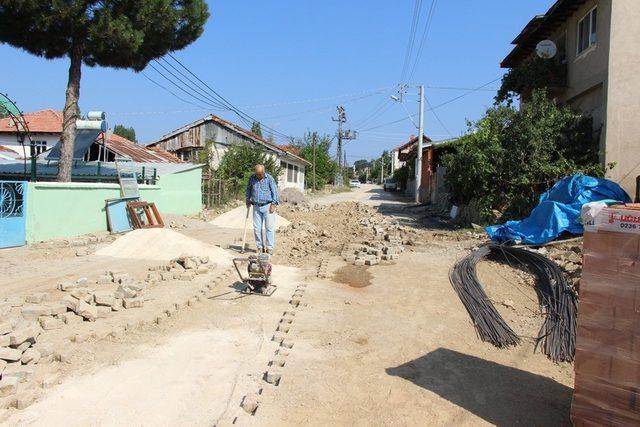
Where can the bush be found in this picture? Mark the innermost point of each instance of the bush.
(238, 165)
(510, 157)
(401, 175)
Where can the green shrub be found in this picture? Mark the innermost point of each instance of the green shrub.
(238, 165)
(510, 157)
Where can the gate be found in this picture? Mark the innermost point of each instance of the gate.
(13, 197)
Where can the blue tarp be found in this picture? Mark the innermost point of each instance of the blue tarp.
(558, 210)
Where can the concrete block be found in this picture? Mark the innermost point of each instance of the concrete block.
(22, 373)
(8, 386)
(22, 347)
(87, 311)
(57, 308)
(82, 294)
(273, 377)
(48, 323)
(278, 337)
(202, 270)
(36, 298)
(279, 361)
(133, 302)
(70, 302)
(187, 276)
(287, 344)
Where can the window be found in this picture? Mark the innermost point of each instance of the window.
(587, 31)
(289, 173)
(295, 174)
(38, 147)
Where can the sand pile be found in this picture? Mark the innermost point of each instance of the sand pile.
(162, 244)
(235, 219)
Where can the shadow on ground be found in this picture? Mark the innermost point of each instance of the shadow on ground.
(499, 394)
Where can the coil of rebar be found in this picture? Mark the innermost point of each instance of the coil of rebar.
(556, 298)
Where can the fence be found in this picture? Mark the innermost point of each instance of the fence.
(217, 191)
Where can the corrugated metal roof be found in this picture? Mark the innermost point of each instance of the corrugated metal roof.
(138, 153)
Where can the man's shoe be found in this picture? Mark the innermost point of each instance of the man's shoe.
(270, 251)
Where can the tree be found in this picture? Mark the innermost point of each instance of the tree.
(510, 157)
(361, 164)
(256, 128)
(376, 167)
(125, 132)
(108, 33)
(326, 168)
(238, 164)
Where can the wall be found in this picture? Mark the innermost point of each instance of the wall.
(623, 95)
(12, 141)
(61, 210)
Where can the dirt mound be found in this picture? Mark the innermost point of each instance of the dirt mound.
(235, 219)
(353, 275)
(161, 244)
(293, 196)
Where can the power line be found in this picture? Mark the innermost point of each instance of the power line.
(438, 117)
(435, 107)
(171, 92)
(412, 35)
(425, 35)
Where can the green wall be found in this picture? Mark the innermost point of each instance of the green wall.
(60, 210)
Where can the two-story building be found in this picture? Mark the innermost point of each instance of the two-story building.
(596, 41)
(216, 134)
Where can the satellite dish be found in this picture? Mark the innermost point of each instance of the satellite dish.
(546, 49)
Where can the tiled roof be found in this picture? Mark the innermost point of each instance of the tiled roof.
(43, 121)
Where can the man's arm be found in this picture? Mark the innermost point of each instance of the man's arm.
(275, 196)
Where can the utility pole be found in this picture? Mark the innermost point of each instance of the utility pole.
(342, 135)
(313, 142)
(420, 146)
(344, 160)
(382, 169)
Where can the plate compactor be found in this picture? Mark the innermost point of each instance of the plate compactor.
(258, 278)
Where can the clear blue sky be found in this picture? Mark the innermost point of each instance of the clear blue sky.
(264, 55)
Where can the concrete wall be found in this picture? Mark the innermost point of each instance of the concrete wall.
(61, 210)
(623, 95)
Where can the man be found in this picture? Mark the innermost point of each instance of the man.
(262, 193)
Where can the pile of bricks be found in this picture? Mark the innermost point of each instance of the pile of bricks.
(183, 268)
(607, 362)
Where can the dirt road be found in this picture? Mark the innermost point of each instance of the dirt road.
(376, 345)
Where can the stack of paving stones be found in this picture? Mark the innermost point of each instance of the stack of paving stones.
(184, 268)
(23, 322)
(383, 247)
(323, 268)
(282, 338)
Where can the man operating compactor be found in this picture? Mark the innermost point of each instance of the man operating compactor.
(262, 193)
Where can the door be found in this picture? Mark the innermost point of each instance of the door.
(13, 195)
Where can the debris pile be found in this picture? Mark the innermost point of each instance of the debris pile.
(335, 228)
(182, 268)
(292, 196)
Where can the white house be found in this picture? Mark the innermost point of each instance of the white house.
(188, 141)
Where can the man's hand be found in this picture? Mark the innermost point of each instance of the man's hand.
(272, 208)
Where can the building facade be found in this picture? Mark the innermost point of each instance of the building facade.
(216, 134)
(596, 45)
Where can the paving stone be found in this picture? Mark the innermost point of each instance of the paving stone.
(87, 311)
(3, 364)
(82, 294)
(104, 298)
(283, 328)
(33, 312)
(25, 399)
(202, 270)
(250, 403)
(125, 292)
(187, 275)
(166, 275)
(57, 308)
(8, 386)
(279, 361)
(30, 356)
(48, 323)
(70, 302)
(287, 344)
(70, 318)
(121, 278)
(36, 298)
(22, 347)
(104, 280)
(5, 341)
(23, 334)
(273, 377)
(22, 373)
(133, 302)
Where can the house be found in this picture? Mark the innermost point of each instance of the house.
(432, 177)
(216, 134)
(395, 160)
(45, 130)
(595, 41)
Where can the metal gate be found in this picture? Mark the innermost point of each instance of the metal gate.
(13, 198)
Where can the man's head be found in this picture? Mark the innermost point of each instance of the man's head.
(260, 171)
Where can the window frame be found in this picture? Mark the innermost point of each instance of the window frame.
(592, 36)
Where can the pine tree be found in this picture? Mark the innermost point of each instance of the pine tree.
(107, 33)
(125, 132)
(257, 128)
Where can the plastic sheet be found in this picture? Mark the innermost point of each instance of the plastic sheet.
(558, 210)
(607, 362)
